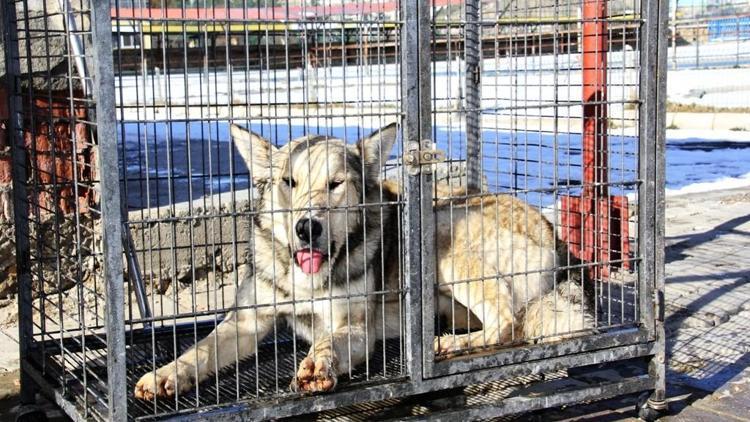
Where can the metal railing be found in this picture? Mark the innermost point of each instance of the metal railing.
(709, 53)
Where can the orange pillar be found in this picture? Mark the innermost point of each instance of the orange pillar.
(595, 224)
(594, 81)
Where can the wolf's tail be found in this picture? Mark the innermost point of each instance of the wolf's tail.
(560, 313)
(566, 310)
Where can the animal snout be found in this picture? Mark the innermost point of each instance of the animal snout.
(308, 229)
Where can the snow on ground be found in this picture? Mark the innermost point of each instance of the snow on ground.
(710, 87)
(719, 184)
(708, 134)
(179, 162)
(714, 74)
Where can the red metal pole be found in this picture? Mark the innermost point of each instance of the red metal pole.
(596, 224)
(594, 212)
(594, 52)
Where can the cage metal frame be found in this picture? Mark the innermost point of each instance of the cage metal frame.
(424, 374)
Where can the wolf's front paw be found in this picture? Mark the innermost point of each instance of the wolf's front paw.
(315, 375)
(164, 382)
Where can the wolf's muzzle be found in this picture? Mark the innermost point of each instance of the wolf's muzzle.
(308, 230)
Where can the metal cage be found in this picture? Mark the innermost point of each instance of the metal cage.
(133, 201)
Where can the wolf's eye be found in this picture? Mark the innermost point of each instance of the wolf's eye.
(289, 182)
(333, 185)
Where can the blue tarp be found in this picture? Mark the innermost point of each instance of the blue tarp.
(727, 29)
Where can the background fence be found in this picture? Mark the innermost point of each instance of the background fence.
(709, 34)
(709, 55)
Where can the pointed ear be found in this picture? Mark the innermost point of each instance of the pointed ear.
(376, 147)
(255, 150)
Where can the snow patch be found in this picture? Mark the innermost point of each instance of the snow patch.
(720, 184)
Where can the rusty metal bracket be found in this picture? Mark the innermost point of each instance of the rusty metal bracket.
(420, 157)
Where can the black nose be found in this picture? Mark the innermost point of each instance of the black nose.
(307, 227)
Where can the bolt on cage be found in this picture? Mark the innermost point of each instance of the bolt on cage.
(132, 200)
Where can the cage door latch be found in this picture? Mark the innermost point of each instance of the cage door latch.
(659, 305)
(420, 157)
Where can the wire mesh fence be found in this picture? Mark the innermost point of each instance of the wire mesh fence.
(57, 194)
(709, 35)
(243, 203)
(516, 104)
(709, 42)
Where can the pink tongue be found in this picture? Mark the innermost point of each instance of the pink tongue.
(309, 261)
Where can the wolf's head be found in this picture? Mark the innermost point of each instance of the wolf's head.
(314, 193)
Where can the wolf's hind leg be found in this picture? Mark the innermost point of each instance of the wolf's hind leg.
(456, 315)
(239, 330)
(490, 301)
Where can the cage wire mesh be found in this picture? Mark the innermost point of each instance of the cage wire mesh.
(232, 183)
(56, 206)
(510, 108)
(282, 72)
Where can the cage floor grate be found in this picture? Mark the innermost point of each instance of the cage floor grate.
(259, 378)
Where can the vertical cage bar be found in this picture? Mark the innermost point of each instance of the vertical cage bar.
(415, 94)
(76, 48)
(658, 364)
(647, 150)
(20, 197)
(673, 35)
(106, 135)
(472, 81)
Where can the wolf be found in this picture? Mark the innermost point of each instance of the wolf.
(327, 254)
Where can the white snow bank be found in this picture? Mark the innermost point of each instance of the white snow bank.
(708, 134)
(720, 184)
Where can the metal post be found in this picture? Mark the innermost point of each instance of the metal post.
(594, 99)
(106, 135)
(595, 224)
(646, 163)
(697, 35)
(658, 364)
(75, 45)
(420, 257)
(651, 190)
(594, 209)
(20, 197)
(473, 96)
(674, 36)
(737, 35)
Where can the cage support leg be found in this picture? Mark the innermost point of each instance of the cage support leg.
(28, 389)
(657, 400)
(651, 406)
(134, 273)
(31, 414)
